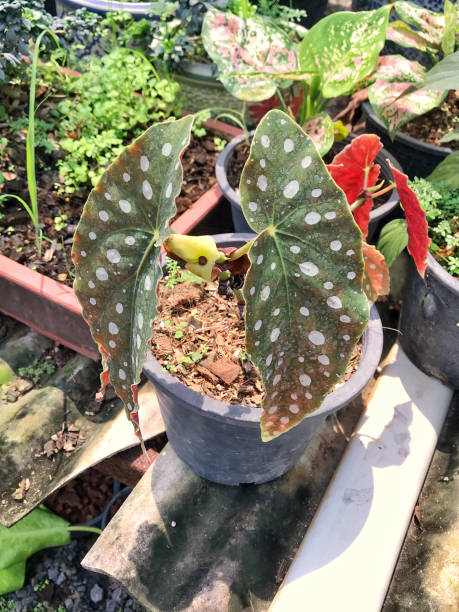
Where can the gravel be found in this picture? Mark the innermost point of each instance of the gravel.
(55, 581)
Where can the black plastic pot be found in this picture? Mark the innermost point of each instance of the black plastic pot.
(136, 9)
(429, 322)
(379, 216)
(417, 158)
(315, 10)
(222, 442)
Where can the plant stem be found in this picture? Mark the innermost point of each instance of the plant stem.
(82, 528)
(245, 248)
(281, 100)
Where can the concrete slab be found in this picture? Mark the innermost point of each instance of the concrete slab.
(427, 573)
(347, 558)
(180, 542)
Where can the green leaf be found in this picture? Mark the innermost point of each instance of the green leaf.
(39, 529)
(449, 37)
(344, 48)
(447, 171)
(116, 250)
(12, 578)
(254, 45)
(305, 307)
(450, 136)
(320, 129)
(431, 25)
(444, 75)
(392, 240)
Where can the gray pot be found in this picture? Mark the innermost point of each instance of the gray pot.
(137, 9)
(201, 89)
(378, 217)
(222, 442)
(429, 322)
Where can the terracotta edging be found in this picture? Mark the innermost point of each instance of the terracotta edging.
(52, 308)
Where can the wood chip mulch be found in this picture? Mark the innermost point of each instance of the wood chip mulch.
(199, 337)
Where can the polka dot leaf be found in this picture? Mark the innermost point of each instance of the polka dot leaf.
(253, 45)
(116, 251)
(305, 306)
(344, 48)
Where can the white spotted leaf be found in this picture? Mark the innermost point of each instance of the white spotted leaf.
(344, 48)
(253, 45)
(305, 306)
(116, 251)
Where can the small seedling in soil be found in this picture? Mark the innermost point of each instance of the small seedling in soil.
(36, 370)
(303, 282)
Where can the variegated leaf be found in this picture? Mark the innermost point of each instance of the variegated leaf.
(116, 250)
(395, 109)
(344, 48)
(451, 15)
(376, 280)
(401, 33)
(253, 45)
(305, 307)
(431, 25)
(397, 69)
(321, 130)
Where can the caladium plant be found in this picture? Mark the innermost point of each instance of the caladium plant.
(307, 272)
(332, 58)
(401, 89)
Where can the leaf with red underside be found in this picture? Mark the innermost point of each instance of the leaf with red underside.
(353, 169)
(376, 280)
(418, 240)
(321, 131)
(116, 251)
(252, 45)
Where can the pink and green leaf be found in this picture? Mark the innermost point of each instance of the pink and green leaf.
(431, 25)
(344, 48)
(305, 307)
(353, 169)
(376, 279)
(321, 130)
(250, 46)
(418, 240)
(116, 251)
(395, 109)
(401, 33)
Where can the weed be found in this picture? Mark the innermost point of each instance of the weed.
(36, 370)
(60, 222)
(41, 585)
(220, 143)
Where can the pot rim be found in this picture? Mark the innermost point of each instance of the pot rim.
(442, 275)
(104, 6)
(248, 416)
(224, 158)
(405, 138)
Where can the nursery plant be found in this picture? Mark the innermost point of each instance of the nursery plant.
(334, 56)
(400, 89)
(305, 287)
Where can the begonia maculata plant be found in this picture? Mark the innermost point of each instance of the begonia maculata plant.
(308, 272)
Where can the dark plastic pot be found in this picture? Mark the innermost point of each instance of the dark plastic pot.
(137, 9)
(417, 158)
(429, 322)
(378, 216)
(315, 10)
(222, 442)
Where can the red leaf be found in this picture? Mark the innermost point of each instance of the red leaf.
(376, 278)
(259, 110)
(349, 169)
(418, 240)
